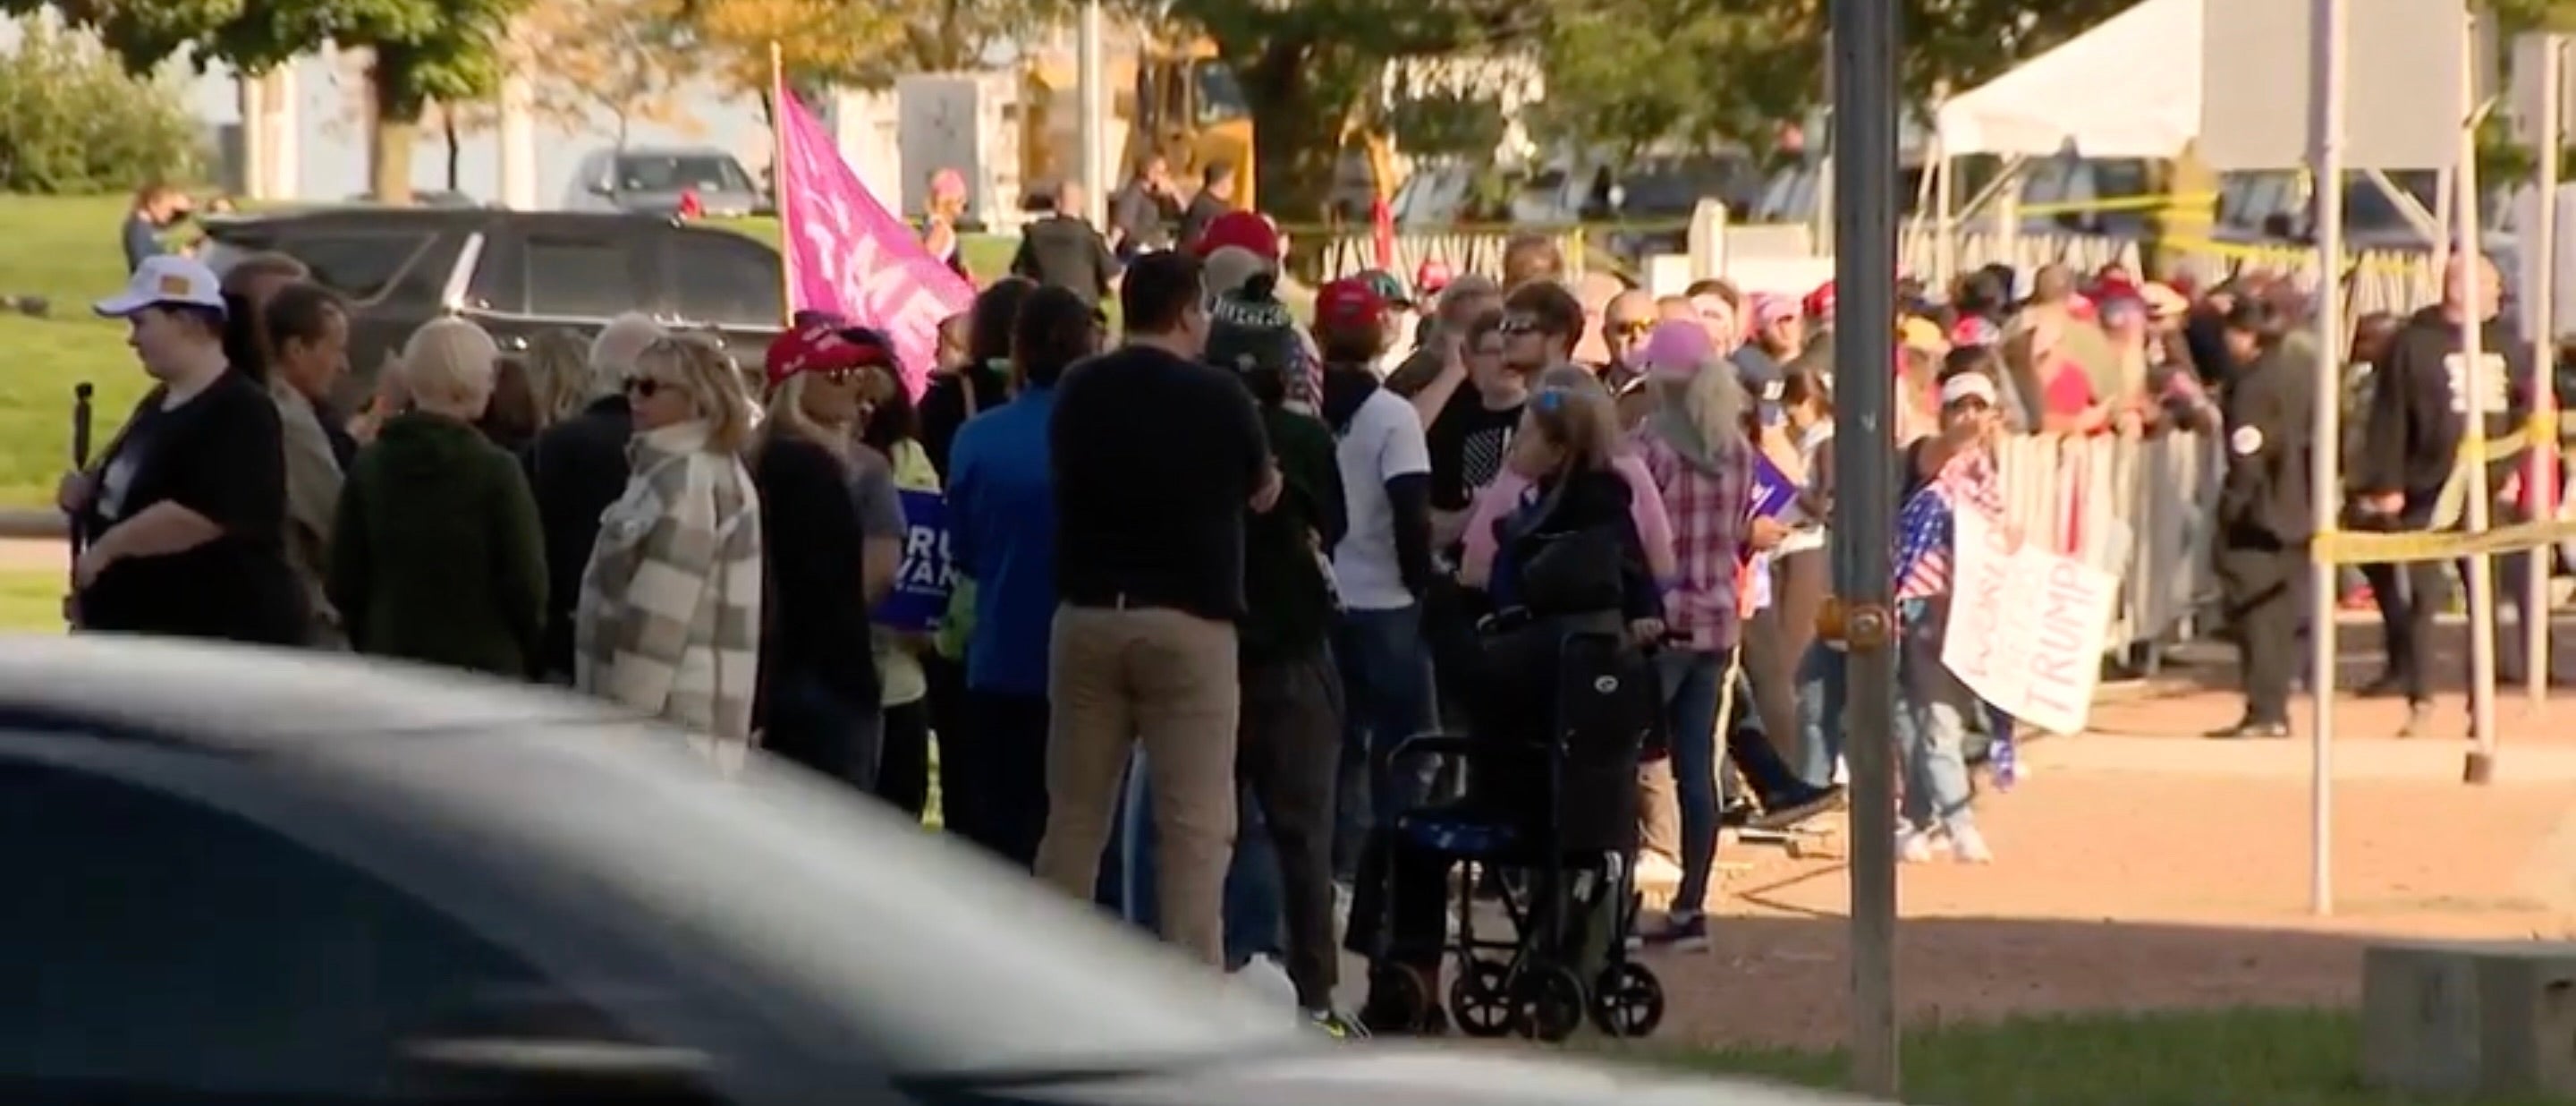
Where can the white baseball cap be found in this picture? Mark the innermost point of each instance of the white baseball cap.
(166, 279)
(1967, 386)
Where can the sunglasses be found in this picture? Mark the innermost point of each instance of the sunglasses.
(645, 387)
(1519, 324)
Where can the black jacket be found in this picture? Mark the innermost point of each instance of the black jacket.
(579, 468)
(2270, 410)
(1064, 252)
(2419, 401)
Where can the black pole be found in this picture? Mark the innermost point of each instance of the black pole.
(82, 417)
(1863, 57)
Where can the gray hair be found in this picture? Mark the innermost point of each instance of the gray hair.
(612, 354)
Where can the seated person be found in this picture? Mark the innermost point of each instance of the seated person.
(1568, 561)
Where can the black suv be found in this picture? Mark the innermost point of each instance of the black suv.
(517, 273)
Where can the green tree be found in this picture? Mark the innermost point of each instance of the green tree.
(1628, 73)
(425, 51)
(1310, 68)
(72, 120)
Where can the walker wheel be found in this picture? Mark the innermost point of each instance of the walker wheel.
(1480, 998)
(1629, 1001)
(1399, 1001)
(1548, 999)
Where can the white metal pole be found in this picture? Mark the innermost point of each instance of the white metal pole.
(1094, 100)
(2325, 144)
(2542, 301)
(2473, 352)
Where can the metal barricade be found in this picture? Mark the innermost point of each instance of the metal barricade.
(2138, 508)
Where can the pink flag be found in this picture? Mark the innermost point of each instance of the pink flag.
(847, 255)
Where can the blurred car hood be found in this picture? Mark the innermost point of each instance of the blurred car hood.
(1390, 1074)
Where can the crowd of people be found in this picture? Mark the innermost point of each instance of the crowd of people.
(1154, 607)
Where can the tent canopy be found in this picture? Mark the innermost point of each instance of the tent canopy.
(2129, 88)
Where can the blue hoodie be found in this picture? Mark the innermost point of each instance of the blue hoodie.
(1001, 512)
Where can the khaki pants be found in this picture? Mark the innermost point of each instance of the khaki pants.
(1659, 819)
(1167, 680)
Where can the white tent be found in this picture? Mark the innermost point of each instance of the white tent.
(2130, 87)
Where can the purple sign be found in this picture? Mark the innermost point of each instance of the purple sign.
(1772, 490)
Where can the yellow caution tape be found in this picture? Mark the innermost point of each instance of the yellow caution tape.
(2143, 202)
(2442, 543)
(2359, 547)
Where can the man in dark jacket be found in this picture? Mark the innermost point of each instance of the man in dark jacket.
(1215, 198)
(2265, 518)
(1142, 213)
(1063, 250)
(578, 467)
(2421, 394)
(1288, 744)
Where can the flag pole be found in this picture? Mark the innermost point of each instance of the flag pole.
(778, 175)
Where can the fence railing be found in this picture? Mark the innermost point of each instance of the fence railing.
(2398, 281)
(2138, 508)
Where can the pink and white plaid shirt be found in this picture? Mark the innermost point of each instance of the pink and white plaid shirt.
(1711, 511)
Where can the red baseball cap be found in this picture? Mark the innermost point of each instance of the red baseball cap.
(1432, 276)
(1246, 229)
(1819, 304)
(824, 349)
(1349, 303)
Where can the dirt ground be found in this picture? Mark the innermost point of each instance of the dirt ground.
(2144, 869)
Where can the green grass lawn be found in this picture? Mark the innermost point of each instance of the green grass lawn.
(2232, 1058)
(64, 250)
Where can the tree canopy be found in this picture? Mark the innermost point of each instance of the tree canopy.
(425, 50)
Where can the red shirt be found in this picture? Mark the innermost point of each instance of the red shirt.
(2066, 391)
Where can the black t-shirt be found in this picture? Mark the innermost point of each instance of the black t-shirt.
(1469, 442)
(222, 455)
(818, 618)
(1154, 458)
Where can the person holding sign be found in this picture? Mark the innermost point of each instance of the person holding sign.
(825, 569)
(2264, 519)
(1947, 472)
(915, 700)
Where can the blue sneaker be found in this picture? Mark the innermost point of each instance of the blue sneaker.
(1682, 931)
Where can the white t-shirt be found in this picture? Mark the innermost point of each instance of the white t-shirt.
(1383, 441)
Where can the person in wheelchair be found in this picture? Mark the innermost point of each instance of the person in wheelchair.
(1561, 700)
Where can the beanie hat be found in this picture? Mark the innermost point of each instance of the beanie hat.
(1229, 268)
(1677, 350)
(1250, 332)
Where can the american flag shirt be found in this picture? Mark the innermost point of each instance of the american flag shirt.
(1927, 528)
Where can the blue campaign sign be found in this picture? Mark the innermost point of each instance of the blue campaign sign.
(1772, 491)
(927, 574)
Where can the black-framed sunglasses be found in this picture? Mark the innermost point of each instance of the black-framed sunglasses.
(644, 387)
(1519, 324)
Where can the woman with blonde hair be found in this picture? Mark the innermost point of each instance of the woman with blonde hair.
(668, 620)
(1570, 562)
(1694, 443)
(559, 373)
(1510, 491)
(829, 562)
(436, 554)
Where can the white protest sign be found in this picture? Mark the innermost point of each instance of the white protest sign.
(2026, 626)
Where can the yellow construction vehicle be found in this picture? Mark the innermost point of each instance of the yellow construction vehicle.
(1178, 100)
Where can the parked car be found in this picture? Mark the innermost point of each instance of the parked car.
(650, 181)
(517, 273)
(261, 876)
